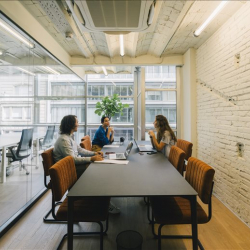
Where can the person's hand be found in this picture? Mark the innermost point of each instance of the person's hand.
(96, 158)
(111, 129)
(99, 153)
(151, 133)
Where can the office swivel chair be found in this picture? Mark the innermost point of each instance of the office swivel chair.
(23, 150)
(47, 141)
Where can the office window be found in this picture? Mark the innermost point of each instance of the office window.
(160, 72)
(67, 89)
(58, 111)
(127, 133)
(160, 96)
(24, 90)
(98, 90)
(16, 113)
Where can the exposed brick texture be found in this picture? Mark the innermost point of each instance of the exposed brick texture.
(220, 124)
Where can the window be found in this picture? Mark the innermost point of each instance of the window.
(67, 89)
(16, 113)
(58, 111)
(109, 88)
(25, 90)
(160, 96)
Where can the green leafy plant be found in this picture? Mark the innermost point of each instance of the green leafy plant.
(108, 106)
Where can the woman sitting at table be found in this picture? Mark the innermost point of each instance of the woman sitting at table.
(104, 135)
(165, 135)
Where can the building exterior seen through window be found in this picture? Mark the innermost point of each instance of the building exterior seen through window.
(45, 99)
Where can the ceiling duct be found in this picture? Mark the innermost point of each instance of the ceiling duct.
(112, 16)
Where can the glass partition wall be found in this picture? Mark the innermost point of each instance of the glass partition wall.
(29, 78)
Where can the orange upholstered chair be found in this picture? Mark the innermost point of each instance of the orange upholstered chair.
(48, 162)
(90, 209)
(176, 158)
(186, 146)
(177, 210)
(86, 143)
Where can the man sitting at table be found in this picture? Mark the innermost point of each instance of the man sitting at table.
(66, 145)
(104, 135)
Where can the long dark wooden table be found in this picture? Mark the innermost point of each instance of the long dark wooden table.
(144, 175)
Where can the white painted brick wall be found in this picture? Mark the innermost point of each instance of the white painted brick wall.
(221, 125)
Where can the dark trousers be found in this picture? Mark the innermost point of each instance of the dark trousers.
(80, 169)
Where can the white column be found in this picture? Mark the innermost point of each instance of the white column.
(188, 100)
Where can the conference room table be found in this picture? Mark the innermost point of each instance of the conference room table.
(144, 175)
(12, 139)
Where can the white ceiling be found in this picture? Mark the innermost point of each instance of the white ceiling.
(171, 33)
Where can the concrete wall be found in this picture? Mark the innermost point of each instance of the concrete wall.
(221, 124)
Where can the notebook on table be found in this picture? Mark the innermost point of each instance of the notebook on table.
(121, 156)
(145, 148)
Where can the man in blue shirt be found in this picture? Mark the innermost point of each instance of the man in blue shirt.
(104, 135)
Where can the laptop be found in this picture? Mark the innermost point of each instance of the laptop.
(146, 148)
(121, 156)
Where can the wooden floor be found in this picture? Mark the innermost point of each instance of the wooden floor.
(20, 188)
(224, 231)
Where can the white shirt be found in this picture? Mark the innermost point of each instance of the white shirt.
(167, 139)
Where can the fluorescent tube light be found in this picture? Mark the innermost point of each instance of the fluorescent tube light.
(26, 71)
(121, 45)
(50, 70)
(210, 18)
(9, 54)
(37, 55)
(104, 71)
(151, 14)
(16, 34)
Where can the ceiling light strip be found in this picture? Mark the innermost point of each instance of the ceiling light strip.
(104, 71)
(50, 70)
(210, 18)
(26, 71)
(121, 45)
(14, 33)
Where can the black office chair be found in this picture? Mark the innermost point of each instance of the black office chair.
(47, 141)
(23, 150)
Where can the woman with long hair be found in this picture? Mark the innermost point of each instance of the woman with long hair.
(165, 136)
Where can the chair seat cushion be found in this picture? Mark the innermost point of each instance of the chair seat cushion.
(88, 209)
(175, 210)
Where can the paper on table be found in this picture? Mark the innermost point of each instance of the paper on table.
(105, 161)
(111, 146)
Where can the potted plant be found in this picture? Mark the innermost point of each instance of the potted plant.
(108, 106)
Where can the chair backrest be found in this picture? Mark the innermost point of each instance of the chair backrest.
(24, 146)
(63, 176)
(48, 139)
(48, 160)
(86, 143)
(86, 137)
(186, 146)
(200, 177)
(176, 158)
